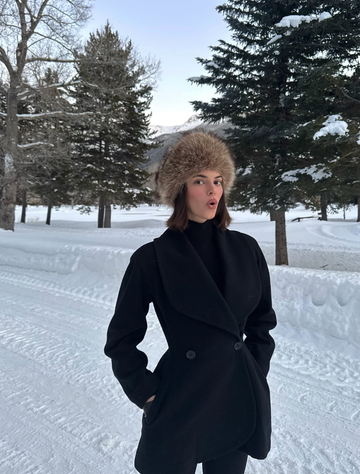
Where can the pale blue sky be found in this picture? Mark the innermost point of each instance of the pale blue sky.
(173, 32)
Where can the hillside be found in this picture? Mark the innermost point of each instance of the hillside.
(167, 135)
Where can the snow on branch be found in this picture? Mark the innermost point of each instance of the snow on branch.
(332, 126)
(52, 114)
(316, 174)
(295, 20)
(274, 38)
(49, 60)
(30, 89)
(29, 145)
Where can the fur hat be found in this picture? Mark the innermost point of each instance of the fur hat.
(192, 153)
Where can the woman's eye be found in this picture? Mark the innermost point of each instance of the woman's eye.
(218, 183)
(198, 181)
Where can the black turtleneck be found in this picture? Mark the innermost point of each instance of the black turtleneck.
(202, 238)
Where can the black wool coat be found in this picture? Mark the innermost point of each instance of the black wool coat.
(211, 391)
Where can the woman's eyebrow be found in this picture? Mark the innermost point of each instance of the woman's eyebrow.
(203, 176)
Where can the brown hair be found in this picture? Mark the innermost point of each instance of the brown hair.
(179, 218)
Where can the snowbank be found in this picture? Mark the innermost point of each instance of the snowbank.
(66, 259)
(324, 302)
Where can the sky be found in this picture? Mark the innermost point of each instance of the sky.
(174, 33)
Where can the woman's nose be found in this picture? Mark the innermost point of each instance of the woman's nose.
(211, 189)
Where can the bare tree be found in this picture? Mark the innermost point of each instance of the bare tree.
(33, 33)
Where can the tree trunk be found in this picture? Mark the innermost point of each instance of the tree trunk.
(323, 206)
(107, 220)
(48, 216)
(101, 212)
(24, 205)
(272, 216)
(8, 198)
(281, 254)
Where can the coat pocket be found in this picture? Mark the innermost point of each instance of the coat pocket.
(147, 407)
(152, 411)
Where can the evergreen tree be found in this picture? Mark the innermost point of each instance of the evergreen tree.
(46, 168)
(327, 72)
(110, 146)
(269, 81)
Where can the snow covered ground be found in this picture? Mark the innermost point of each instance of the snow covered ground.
(63, 412)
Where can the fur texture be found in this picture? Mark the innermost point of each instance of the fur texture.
(194, 152)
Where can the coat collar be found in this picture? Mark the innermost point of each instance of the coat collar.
(189, 286)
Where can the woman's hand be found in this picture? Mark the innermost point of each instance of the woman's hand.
(147, 405)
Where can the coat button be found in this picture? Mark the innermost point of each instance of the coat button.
(190, 354)
(238, 346)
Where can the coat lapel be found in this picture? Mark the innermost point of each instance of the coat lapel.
(189, 286)
(242, 286)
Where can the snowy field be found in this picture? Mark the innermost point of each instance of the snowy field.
(62, 410)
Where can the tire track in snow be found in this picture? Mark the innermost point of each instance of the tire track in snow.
(314, 428)
(54, 388)
(60, 398)
(90, 296)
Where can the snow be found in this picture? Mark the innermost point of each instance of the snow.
(51, 114)
(333, 125)
(61, 409)
(295, 20)
(191, 123)
(317, 173)
(324, 16)
(29, 145)
(274, 38)
(8, 163)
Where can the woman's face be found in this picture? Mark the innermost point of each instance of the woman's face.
(203, 194)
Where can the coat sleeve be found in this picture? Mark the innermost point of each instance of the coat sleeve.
(126, 330)
(258, 340)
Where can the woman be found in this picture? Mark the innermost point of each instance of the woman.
(207, 401)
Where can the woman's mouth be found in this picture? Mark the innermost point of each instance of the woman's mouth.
(212, 204)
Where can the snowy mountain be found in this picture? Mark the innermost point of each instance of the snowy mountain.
(166, 136)
(191, 123)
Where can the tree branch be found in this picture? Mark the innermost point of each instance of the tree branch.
(348, 96)
(49, 60)
(5, 60)
(58, 113)
(39, 15)
(21, 8)
(29, 145)
(29, 11)
(54, 40)
(30, 91)
(7, 25)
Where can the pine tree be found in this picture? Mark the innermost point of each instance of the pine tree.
(327, 73)
(110, 146)
(269, 81)
(46, 171)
